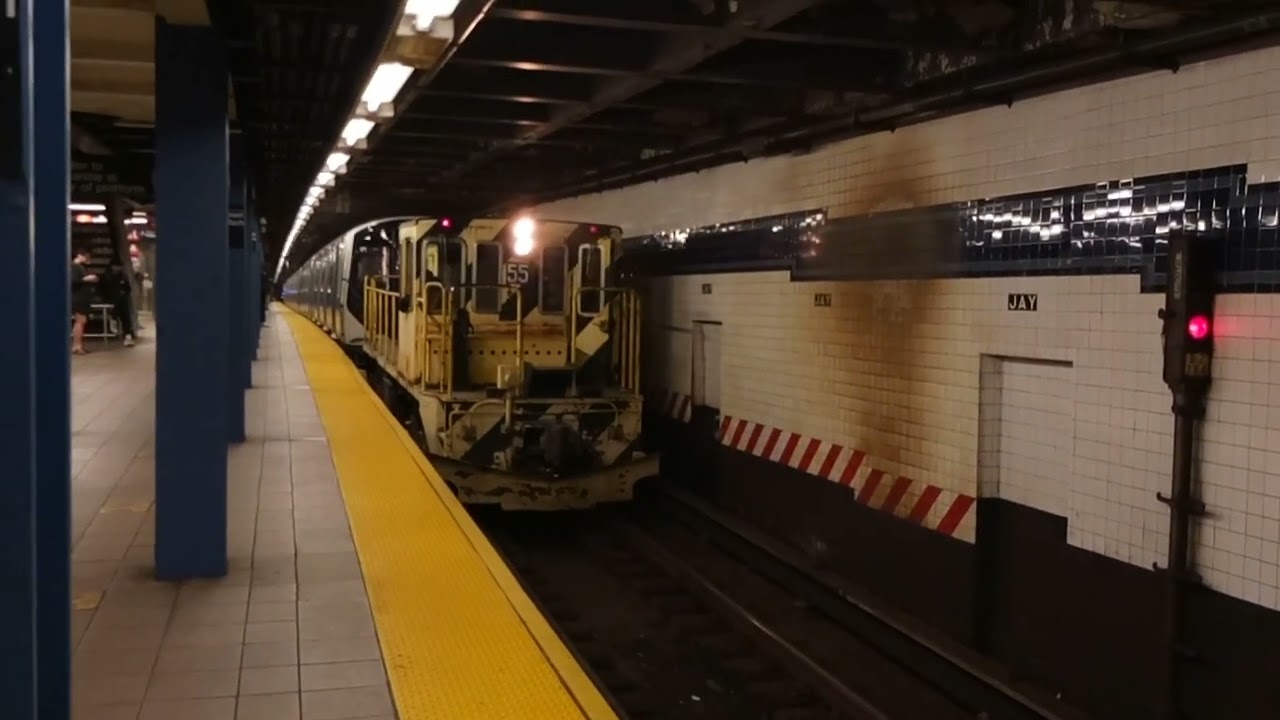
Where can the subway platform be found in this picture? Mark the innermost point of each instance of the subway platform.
(359, 589)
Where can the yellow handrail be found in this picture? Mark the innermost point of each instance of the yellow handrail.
(422, 305)
(379, 312)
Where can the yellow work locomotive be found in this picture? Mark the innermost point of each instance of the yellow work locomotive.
(506, 349)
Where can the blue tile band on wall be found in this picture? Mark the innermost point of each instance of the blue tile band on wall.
(1115, 226)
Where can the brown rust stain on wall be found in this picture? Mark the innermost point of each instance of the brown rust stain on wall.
(892, 316)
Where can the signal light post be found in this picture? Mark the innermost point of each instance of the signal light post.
(1188, 369)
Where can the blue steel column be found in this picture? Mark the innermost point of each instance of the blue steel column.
(259, 276)
(17, 372)
(52, 189)
(246, 304)
(255, 280)
(236, 293)
(192, 332)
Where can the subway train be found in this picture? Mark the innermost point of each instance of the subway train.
(504, 345)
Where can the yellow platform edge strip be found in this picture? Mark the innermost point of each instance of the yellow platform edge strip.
(375, 505)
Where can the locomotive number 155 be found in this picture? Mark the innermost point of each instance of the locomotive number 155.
(517, 273)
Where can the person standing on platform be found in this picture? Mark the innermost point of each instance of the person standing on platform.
(119, 293)
(82, 282)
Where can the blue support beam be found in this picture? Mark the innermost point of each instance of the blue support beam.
(192, 296)
(52, 190)
(237, 289)
(253, 296)
(255, 280)
(261, 275)
(247, 324)
(17, 369)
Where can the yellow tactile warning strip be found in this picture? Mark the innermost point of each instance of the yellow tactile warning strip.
(460, 637)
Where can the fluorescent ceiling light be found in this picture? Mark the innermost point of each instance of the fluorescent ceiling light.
(385, 85)
(356, 130)
(336, 160)
(325, 178)
(86, 207)
(425, 12)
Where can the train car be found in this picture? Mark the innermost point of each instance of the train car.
(328, 288)
(503, 345)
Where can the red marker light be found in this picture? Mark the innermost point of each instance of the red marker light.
(1198, 327)
(594, 230)
(446, 222)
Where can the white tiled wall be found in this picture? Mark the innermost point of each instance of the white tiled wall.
(894, 368)
(1215, 113)
(1026, 433)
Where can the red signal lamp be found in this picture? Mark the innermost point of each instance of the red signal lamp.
(446, 223)
(1198, 327)
(595, 230)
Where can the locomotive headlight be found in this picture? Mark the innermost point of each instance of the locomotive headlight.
(523, 232)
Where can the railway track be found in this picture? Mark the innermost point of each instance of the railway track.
(680, 614)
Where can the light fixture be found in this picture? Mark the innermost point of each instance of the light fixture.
(336, 161)
(425, 12)
(523, 232)
(87, 207)
(357, 129)
(385, 85)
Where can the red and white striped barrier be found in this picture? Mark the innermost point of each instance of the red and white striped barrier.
(672, 404)
(923, 504)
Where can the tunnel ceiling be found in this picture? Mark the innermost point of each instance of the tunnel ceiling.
(297, 69)
(547, 98)
(550, 98)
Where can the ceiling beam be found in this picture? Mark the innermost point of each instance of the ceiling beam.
(756, 79)
(514, 120)
(890, 41)
(675, 56)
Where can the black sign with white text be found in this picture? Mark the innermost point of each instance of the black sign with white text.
(1024, 302)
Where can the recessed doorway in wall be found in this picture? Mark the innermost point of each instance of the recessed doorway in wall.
(706, 364)
(1026, 432)
(1026, 441)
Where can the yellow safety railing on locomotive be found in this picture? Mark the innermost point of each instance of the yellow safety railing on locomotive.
(380, 318)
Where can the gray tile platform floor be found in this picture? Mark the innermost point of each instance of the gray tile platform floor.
(288, 634)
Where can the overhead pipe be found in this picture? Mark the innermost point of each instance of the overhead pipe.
(783, 137)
